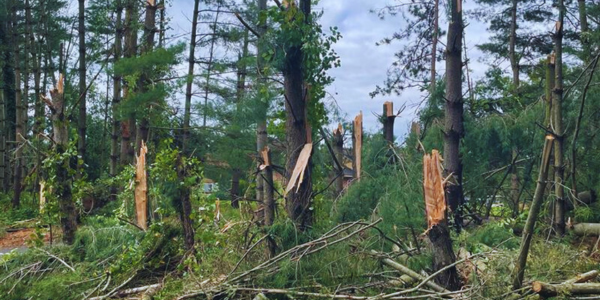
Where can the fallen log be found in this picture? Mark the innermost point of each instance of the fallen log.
(405, 270)
(585, 277)
(551, 290)
(150, 289)
(583, 229)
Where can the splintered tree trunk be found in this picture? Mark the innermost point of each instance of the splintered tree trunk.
(338, 151)
(190, 80)
(261, 126)
(557, 94)
(388, 118)
(60, 127)
(298, 201)
(82, 120)
(114, 136)
(534, 211)
(19, 122)
(453, 129)
(436, 210)
(128, 123)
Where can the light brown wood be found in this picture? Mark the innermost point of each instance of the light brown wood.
(358, 121)
(141, 189)
(389, 109)
(298, 174)
(585, 277)
(433, 186)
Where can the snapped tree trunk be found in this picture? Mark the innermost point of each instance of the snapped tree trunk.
(453, 127)
(338, 151)
(557, 95)
(298, 201)
(81, 122)
(60, 127)
(534, 211)
(388, 118)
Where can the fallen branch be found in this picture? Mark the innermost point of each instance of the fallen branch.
(550, 290)
(57, 258)
(585, 277)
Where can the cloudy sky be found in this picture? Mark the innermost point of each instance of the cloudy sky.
(364, 65)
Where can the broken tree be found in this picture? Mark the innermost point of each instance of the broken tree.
(141, 189)
(60, 127)
(435, 207)
(357, 145)
(387, 119)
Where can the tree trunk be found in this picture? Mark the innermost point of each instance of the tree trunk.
(82, 120)
(269, 200)
(60, 126)
(585, 39)
(559, 168)
(434, 44)
(338, 151)
(209, 68)
(162, 28)
(144, 81)
(8, 79)
(19, 122)
(549, 87)
(190, 79)
(551, 290)
(298, 201)
(443, 255)
(534, 211)
(514, 62)
(234, 192)
(128, 122)
(185, 210)
(453, 129)
(388, 118)
(587, 229)
(114, 136)
(261, 126)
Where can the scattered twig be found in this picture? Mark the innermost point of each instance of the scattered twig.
(57, 258)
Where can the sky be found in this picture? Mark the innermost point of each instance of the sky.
(364, 65)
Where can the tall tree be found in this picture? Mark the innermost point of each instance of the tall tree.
(298, 201)
(453, 126)
(114, 136)
(190, 78)
(19, 121)
(557, 107)
(82, 119)
(128, 119)
(261, 126)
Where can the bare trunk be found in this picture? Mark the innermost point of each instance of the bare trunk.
(190, 79)
(585, 39)
(8, 78)
(559, 168)
(443, 256)
(185, 209)
(82, 120)
(19, 122)
(534, 211)
(514, 63)
(114, 134)
(210, 66)
(338, 150)
(163, 21)
(434, 44)
(128, 122)
(453, 129)
(234, 192)
(261, 126)
(388, 118)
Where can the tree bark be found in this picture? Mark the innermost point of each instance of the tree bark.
(269, 200)
(585, 42)
(82, 120)
(549, 86)
(128, 122)
(443, 255)
(19, 121)
(261, 126)
(114, 136)
(185, 209)
(338, 151)
(8, 78)
(60, 126)
(298, 201)
(534, 211)
(557, 95)
(434, 44)
(209, 68)
(388, 118)
(234, 192)
(190, 79)
(551, 290)
(453, 128)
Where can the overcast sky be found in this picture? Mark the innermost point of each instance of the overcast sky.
(364, 65)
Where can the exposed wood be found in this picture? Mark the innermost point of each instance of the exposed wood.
(585, 229)
(585, 277)
(338, 155)
(141, 189)
(551, 290)
(534, 211)
(357, 143)
(300, 167)
(433, 187)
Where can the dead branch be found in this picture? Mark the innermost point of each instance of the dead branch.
(57, 258)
